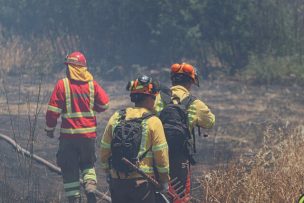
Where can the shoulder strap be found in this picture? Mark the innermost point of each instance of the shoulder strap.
(122, 114)
(165, 94)
(144, 154)
(188, 101)
(147, 115)
(166, 90)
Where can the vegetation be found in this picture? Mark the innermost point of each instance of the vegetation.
(256, 40)
(116, 35)
(274, 174)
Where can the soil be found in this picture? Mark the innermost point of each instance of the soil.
(243, 114)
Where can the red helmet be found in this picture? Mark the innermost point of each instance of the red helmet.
(76, 58)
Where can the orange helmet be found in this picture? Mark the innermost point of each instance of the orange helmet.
(76, 58)
(185, 69)
(143, 85)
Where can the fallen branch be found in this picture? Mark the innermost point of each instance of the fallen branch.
(44, 162)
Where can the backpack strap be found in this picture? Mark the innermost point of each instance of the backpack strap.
(144, 117)
(188, 101)
(165, 94)
(122, 114)
(147, 115)
(144, 154)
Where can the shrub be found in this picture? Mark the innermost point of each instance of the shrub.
(271, 69)
(274, 174)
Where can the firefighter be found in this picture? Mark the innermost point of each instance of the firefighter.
(183, 77)
(76, 98)
(150, 149)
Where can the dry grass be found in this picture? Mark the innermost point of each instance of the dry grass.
(34, 55)
(274, 174)
(246, 119)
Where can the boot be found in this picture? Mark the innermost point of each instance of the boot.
(90, 188)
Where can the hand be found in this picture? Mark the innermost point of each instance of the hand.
(50, 133)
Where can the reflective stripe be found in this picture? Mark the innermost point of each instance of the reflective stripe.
(72, 189)
(116, 122)
(145, 132)
(89, 170)
(77, 130)
(139, 87)
(67, 95)
(159, 147)
(164, 169)
(191, 114)
(105, 145)
(144, 138)
(159, 106)
(106, 106)
(149, 154)
(78, 114)
(91, 87)
(211, 123)
(147, 169)
(49, 129)
(104, 165)
(71, 185)
(72, 193)
(54, 109)
(69, 113)
(89, 174)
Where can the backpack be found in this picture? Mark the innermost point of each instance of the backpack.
(126, 142)
(174, 118)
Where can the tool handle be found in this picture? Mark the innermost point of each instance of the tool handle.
(154, 182)
(142, 173)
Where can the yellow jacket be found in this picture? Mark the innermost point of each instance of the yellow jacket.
(154, 139)
(198, 113)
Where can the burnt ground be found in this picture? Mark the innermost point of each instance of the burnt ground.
(243, 113)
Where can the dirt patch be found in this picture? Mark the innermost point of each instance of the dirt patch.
(242, 112)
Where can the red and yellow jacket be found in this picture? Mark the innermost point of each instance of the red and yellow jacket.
(76, 102)
(153, 139)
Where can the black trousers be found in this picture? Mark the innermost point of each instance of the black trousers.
(180, 169)
(132, 190)
(74, 155)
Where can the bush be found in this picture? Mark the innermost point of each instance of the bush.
(274, 174)
(271, 69)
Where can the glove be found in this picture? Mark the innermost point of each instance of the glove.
(50, 133)
(164, 188)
